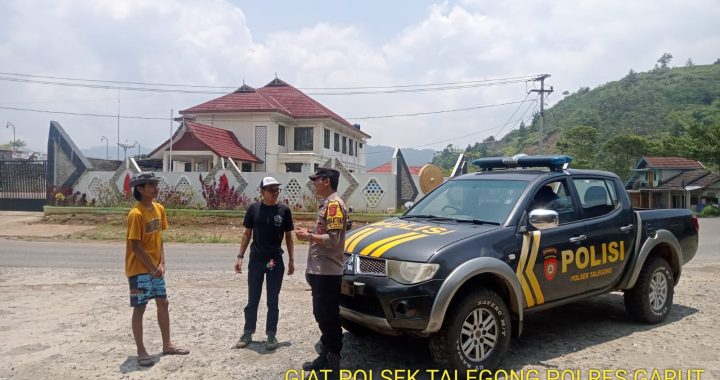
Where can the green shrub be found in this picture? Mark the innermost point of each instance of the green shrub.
(710, 211)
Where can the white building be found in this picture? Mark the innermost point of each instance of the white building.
(276, 128)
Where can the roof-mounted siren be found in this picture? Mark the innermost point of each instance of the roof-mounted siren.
(554, 163)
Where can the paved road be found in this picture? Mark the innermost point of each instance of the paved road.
(106, 255)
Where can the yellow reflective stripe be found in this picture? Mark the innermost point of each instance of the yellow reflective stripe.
(353, 241)
(387, 246)
(357, 235)
(519, 271)
(378, 243)
(531, 265)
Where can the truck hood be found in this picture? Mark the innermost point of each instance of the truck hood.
(409, 239)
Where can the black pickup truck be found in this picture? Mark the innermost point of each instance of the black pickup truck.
(466, 261)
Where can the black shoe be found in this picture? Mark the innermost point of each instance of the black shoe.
(321, 362)
(333, 361)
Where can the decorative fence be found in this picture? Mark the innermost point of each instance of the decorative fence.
(23, 185)
(228, 188)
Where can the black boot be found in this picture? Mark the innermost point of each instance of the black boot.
(333, 363)
(321, 362)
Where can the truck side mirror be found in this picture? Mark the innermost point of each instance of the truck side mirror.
(407, 205)
(543, 219)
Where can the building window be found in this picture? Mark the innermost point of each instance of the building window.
(316, 166)
(293, 167)
(246, 167)
(360, 145)
(352, 147)
(356, 148)
(344, 150)
(281, 135)
(337, 142)
(326, 138)
(304, 138)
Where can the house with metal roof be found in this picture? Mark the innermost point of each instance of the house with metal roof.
(668, 182)
(275, 128)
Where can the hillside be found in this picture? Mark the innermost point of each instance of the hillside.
(666, 111)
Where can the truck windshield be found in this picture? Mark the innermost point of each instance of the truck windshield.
(474, 200)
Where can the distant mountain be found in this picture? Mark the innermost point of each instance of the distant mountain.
(380, 154)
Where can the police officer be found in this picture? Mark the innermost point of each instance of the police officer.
(325, 267)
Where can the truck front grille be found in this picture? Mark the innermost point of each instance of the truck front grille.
(364, 265)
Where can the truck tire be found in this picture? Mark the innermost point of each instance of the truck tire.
(354, 328)
(475, 334)
(651, 298)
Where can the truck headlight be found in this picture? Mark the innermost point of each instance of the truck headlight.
(407, 272)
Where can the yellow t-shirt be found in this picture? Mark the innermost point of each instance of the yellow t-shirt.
(145, 226)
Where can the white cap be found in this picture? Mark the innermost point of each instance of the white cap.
(267, 181)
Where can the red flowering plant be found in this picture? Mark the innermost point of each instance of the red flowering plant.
(221, 196)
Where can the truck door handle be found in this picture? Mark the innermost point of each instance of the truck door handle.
(578, 239)
(627, 228)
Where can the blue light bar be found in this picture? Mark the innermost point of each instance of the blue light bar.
(552, 162)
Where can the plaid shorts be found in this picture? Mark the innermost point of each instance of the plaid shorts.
(144, 287)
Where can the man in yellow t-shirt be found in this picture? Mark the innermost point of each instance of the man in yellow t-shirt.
(145, 264)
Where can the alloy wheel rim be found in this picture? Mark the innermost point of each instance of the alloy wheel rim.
(479, 334)
(658, 291)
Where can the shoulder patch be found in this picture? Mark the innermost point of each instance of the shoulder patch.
(334, 217)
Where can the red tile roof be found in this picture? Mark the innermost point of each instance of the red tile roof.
(672, 163)
(276, 96)
(387, 168)
(221, 141)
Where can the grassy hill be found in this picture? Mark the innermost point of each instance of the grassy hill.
(666, 111)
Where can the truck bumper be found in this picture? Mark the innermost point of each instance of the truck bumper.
(386, 306)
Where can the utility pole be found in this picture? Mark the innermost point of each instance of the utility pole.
(118, 125)
(542, 92)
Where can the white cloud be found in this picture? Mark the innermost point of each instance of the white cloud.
(581, 43)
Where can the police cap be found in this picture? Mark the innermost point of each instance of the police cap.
(326, 173)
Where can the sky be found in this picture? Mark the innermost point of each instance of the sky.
(353, 57)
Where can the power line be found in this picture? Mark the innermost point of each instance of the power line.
(377, 91)
(435, 112)
(517, 78)
(165, 118)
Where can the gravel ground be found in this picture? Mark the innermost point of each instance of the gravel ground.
(75, 324)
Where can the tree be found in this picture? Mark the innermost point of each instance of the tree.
(580, 142)
(622, 152)
(630, 79)
(689, 63)
(16, 144)
(446, 158)
(705, 142)
(664, 60)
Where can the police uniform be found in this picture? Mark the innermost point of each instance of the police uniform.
(325, 268)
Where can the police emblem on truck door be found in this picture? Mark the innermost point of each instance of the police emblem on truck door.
(550, 266)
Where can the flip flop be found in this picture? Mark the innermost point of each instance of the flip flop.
(176, 351)
(146, 362)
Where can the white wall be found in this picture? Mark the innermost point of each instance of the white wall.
(375, 192)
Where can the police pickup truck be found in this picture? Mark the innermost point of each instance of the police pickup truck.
(466, 261)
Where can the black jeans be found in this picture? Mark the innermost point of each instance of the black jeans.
(257, 272)
(326, 309)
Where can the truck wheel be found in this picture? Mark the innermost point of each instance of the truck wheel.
(475, 333)
(649, 301)
(354, 328)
